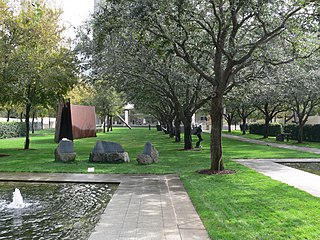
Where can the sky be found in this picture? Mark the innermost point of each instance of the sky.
(75, 12)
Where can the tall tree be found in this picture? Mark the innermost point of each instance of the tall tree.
(42, 68)
(302, 82)
(107, 101)
(269, 98)
(219, 39)
(131, 63)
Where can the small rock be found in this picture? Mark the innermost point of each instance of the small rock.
(150, 155)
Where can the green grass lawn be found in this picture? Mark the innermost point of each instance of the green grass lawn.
(245, 205)
(273, 139)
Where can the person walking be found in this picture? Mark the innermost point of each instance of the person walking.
(198, 133)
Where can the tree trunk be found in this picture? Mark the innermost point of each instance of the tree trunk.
(32, 122)
(177, 122)
(27, 142)
(110, 123)
(229, 118)
(300, 132)
(244, 123)
(104, 125)
(171, 130)
(266, 127)
(216, 114)
(229, 125)
(42, 123)
(21, 116)
(168, 128)
(187, 135)
(8, 114)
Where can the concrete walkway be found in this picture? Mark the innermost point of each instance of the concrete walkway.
(278, 145)
(302, 180)
(149, 207)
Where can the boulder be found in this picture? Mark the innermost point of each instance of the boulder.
(64, 152)
(150, 155)
(108, 152)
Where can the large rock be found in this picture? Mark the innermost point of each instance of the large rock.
(108, 152)
(150, 155)
(64, 152)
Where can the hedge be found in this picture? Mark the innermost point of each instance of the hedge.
(12, 129)
(257, 128)
(310, 132)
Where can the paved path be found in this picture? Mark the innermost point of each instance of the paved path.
(302, 180)
(279, 145)
(149, 207)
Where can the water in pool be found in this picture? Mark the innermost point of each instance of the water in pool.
(52, 210)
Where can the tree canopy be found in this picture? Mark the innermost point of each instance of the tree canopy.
(224, 43)
(37, 69)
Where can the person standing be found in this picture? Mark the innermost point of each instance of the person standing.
(198, 133)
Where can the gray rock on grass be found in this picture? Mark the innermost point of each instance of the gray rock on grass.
(64, 152)
(150, 155)
(108, 152)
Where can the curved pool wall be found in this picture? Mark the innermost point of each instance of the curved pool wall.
(53, 210)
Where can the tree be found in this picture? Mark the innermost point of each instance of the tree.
(107, 101)
(217, 39)
(230, 111)
(269, 99)
(302, 84)
(42, 70)
(8, 43)
(129, 64)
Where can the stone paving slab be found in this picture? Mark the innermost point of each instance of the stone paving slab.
(302, 180)
(151, 207)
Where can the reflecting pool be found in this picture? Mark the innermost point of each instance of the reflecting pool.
(52, 210)
(312, 167)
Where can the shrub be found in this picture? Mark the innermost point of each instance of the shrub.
(293, 129)
(257, 128)
(12, 129)
(310, 132)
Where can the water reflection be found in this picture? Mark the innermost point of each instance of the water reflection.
(56, 211)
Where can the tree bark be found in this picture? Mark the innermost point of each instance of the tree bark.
(27, 121)
(8, 114)
(171, 129)
(177, 122)
(32, 122)
(42, 123)
(104, 124)
(300, 132)
(216, 114)
(187, 135)
(244, 122)
(266, 124)
(110, 123)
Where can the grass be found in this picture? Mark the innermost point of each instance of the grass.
(273, 139)
(245, 205)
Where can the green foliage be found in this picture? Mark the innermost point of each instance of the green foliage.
(259, 129)
(12, 129)
(311, 133)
